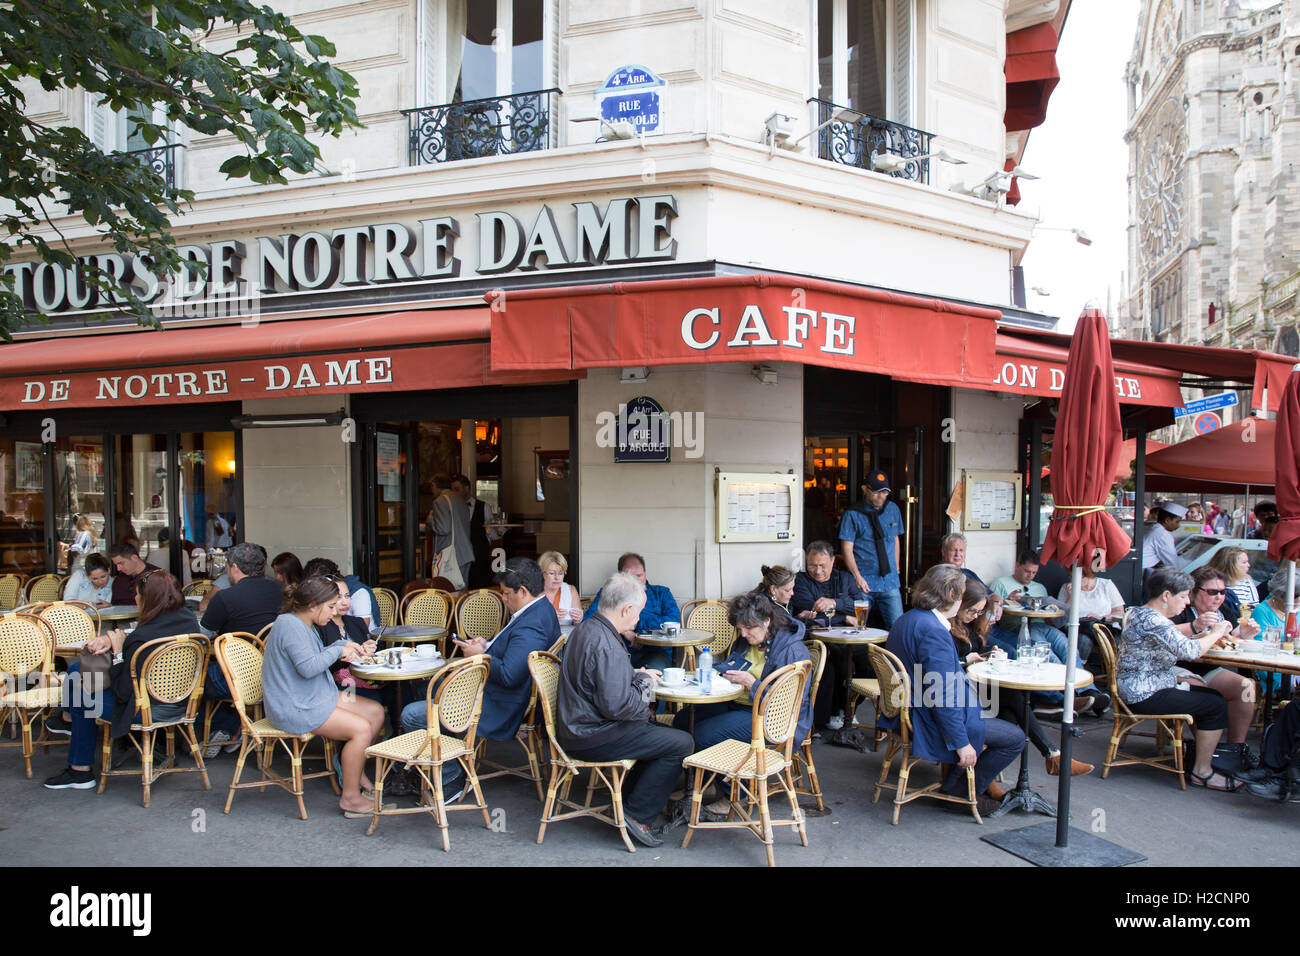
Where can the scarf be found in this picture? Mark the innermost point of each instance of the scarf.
(878, 536)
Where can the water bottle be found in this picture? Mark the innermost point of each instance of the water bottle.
(704, 673)
(1024, 646)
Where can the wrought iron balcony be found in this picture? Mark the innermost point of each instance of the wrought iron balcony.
(496, 126)
(162, 160)
(856, 144)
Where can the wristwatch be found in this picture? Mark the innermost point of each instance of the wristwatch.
(117, 658)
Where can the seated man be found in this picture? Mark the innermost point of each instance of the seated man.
(161, 557)
(604, 707)
(126, 559)
(532, 627)
(824, 596)
(660, 606)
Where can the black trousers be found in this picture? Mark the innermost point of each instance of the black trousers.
(831, 696)
(1283, 738)
(658, 752)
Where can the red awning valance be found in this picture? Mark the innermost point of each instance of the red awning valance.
(1029, 367)
(434, 348)
(1031, 75)
(751, 318)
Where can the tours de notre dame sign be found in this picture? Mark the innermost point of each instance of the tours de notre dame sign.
(628, 230)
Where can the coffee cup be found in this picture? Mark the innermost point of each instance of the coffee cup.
(671, 628)
(674, 676)
(426, 650)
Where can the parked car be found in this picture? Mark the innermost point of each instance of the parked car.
(1196, 550)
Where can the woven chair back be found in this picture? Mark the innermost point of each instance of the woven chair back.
(387, 601)
(241, 660)
(26, 644)
(779, 697)
(817, 654)
(558, 646)
(198, 588)
(70, 623)
(44, 588)
(712, 616)
(480, 614)
(459, 695)
(170, 669)
(11, 586)
(895, 687)
(545, 669)
(586, 603)
(429, 608)
(1110, 658)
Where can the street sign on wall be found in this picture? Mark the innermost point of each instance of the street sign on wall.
(634, 94)
(1208, 403)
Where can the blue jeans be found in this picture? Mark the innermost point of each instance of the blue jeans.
(1003, 743)
(85, 704)
(1056, 639)
(413, 719)
(715, 723)
(224, 717)
(890, 604)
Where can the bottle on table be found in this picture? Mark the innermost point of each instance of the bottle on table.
(1024, 646)
(704, 673)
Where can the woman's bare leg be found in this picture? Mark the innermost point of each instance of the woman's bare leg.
(1239, 692)
(355, 734)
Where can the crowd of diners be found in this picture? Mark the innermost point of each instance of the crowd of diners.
(320, 623)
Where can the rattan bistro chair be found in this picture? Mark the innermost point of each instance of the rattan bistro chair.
(44, 588)
(212, 704)
(610, 774)
(480, 613)
(749, 766)
(809, 785)
(710, 615)
(895, 701)
(865, 688)
(166, 670)
(241, 663)
(1168, 726)
(29, 688)
(386, 599)
(11, 591)
(430, 608)
(73, 623)
(452, 712)
(197, 588)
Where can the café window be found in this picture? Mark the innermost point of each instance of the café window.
(866, 56)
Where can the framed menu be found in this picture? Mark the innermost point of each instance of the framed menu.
(991, 500)
(755, 506)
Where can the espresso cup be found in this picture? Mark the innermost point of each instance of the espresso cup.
(671, 627)
(426, 650)
(674, 676)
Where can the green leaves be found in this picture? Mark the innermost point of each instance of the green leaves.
(265, 88)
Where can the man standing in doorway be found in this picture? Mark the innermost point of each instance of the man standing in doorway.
(449, 524)
(869, 541)
(481, 537)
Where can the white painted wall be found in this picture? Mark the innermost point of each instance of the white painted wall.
(988, 426)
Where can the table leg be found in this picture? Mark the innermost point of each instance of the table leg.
(1022, 797)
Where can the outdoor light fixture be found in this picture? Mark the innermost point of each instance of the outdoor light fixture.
(993, 188)
(619, 129)
(779, 127)
(633, 375)
(1081, 237)
(893, 163)
(287, 421)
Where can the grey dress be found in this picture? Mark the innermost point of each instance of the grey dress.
(297, 688)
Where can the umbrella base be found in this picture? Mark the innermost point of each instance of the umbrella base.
(1037, 845)
(1024, 799)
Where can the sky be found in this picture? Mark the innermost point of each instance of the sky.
(1081, 157)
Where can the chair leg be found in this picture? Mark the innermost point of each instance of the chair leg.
(187, 732)
(697, 798)
(440, 807)
(766, 820)
(329, 763)
(970, 795)
(616, 775)
(890, 752)
(811, 769)
(381, 771)
(27, 743)
(295, 763)
(796, 814)
(146, 762)
(248, 744)
(533, 746)
(472, 772)
(1178, 759)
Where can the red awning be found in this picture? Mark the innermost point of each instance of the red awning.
(1031, 75)
(1238, 454)
(435, 348)
(750, 318)
(1029, 367)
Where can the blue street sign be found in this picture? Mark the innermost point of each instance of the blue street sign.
(1206, 404)
(631, 93)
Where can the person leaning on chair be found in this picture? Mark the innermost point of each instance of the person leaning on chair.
(604, 710)
(947, 723)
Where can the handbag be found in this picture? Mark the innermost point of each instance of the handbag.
(444, 563)
(94, 670)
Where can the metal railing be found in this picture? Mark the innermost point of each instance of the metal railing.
(163, 160)
(495, 126)
(856, 144)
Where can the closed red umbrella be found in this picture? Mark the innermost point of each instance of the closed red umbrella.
(1284, 544)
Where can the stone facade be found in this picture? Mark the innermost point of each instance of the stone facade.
(1213, 136)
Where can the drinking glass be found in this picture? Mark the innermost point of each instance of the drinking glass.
(1040, 653)
(1272, 640)
(860, 611)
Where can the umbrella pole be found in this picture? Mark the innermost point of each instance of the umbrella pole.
(1067, 714)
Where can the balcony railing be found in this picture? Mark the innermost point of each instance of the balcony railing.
(496, 126)
(856, 144)
(163, 160)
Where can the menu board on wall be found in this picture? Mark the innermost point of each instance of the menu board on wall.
(388, 465)
(755, 507)
(991, 500)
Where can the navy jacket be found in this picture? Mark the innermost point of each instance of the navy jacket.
(784, 648)
(171, 624)
(509, 685)
(839, 586)
(660, 606)
(945, 706)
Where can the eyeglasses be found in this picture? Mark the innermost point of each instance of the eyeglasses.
(1216, 593)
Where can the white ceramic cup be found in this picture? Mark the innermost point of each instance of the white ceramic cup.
(674, 676)
(426, 650)
(671, 627)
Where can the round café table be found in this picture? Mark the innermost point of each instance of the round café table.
(1016, 675)
(686, 638)
(689, 692)
(414, 667)
(849, 637)
(408, 633)
(113, 615)
(1026, 615)
(1250, 653)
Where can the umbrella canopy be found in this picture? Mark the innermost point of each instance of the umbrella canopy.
(1236, 454)
(1128, 454)
(1086, 451)
(1284, 545)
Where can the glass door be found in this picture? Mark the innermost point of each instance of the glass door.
(141, 506)
(208, 507)
(899, 455)
(391, 506)
(80, 505)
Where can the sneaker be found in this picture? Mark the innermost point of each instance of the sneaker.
(643, 834)
(836, 722)
(215, 744)
(71, 779)
(58, 724)
(1100, 701)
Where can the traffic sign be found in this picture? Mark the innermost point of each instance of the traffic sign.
(1208, 403)
(1206, 422)
(631, 93)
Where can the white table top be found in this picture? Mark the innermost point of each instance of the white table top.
(849, 635)
(685, 637)
(1015, 610)
(1253, 654)
(689, 692)
(1017, 676)
(413, 667)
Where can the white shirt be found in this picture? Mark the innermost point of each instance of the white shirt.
(514, 617)
(1158, 548)
(947, 624)
(1098, 602)
(361, 606)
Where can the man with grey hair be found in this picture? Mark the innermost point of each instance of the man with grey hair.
(605, 708)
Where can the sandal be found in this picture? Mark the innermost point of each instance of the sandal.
(1199, 781)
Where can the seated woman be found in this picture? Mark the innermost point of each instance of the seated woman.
(777, 584)
(1204, 611)
(1234, 566)
(1147, 678)
(162, 614)
(288, 570)
(769, 639)
(1272, 613)
(948, 727)
(1099, 599)
(301, 697)
(563, 597)
(969, 629)
(342, 626)
(92, 583)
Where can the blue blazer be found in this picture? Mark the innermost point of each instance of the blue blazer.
(509, 685)
(946, 714)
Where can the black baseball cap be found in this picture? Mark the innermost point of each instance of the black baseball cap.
(876, 481)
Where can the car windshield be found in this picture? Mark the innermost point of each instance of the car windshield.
(1189, 549)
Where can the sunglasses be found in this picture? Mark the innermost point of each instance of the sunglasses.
(1220, 592)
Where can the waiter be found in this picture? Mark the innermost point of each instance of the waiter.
(1158, 545)
(869, 542)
